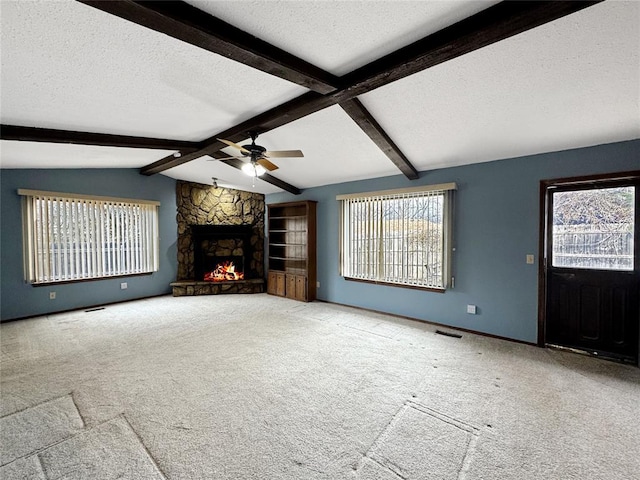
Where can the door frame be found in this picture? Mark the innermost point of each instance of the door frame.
(583, 181)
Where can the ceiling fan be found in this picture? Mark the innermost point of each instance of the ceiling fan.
(258, 156)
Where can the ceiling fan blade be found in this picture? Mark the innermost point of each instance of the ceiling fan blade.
(234, 145)
(267, 164)
(223, 158)
(284, 153)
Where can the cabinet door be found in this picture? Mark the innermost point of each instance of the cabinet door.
(271, 283)
(280, 287)
(291, 286)
(301, 288)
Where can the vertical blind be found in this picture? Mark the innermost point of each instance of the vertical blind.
(75, 237)
(397, 236)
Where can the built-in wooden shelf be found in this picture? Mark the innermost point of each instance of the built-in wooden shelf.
(292, 250)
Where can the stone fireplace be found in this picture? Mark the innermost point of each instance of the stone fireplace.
(220, 240)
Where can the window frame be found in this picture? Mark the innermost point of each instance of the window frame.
(446, 278)
(142, 250)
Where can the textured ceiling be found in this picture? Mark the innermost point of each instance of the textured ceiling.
(570, 83)
(45, 155)
(69, 66)
(340, 36)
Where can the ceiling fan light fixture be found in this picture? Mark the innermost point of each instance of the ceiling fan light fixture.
(253, 169)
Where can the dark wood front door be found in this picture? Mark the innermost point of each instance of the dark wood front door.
(592, 269)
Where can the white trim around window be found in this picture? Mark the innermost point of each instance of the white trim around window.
(70, 237)
(401, 237)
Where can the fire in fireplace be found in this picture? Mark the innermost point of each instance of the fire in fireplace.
(225, 271)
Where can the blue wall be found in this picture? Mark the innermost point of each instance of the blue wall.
(496, 226)
(19, 299)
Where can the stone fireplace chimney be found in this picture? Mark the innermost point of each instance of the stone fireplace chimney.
(218, 222)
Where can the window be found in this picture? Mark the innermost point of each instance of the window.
(76, 237)
(400, 237)
(593, 228)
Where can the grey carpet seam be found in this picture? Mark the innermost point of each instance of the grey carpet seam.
(151, 457)
(386, 467)
(70, 394)
(468, 456)
(41, 465)
(54, 444)
(443, 417)
(75, 404)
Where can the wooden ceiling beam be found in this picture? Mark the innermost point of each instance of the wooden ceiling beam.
(237, 163)
(299, 107)
(357, 111)
(184, 22)
(496, 23)
(50, 135)
(491, 25)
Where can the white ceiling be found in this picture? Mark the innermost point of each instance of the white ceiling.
(340, 36)
(570, 83)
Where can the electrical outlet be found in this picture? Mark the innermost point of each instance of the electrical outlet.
(471, 309)
(530, 259)
(123, 286)
(52, 295)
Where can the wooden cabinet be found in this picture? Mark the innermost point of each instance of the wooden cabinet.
(296, 287)
(301, 287)
(271, 283)
(275, 283)
(292, 250)
(291, 286)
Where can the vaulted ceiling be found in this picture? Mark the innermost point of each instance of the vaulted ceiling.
(364, 88)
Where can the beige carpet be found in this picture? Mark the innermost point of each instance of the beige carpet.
(260, 387)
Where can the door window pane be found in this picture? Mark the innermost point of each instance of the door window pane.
(594, 228)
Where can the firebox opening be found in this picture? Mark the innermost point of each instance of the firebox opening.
(215, 247)
(224, 268)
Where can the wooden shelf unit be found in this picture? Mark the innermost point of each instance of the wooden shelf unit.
(291, 258)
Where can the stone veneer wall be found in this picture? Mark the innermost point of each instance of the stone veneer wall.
(200, 204)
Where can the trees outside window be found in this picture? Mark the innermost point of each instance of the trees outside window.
(399, 237)
(594, 228)
(78, 237)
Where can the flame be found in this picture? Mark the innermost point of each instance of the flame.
(224, 272)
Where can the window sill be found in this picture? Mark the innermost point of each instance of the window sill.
(82, 280)
(401, 285)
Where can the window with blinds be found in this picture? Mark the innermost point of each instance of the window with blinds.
(399, 237)
(78, 237)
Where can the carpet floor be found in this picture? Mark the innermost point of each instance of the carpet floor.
(262, 387)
